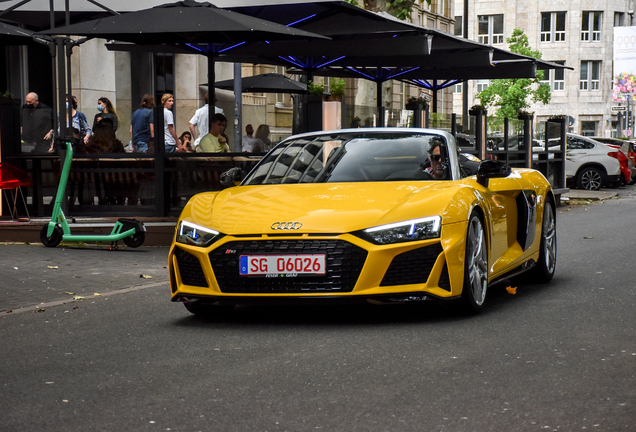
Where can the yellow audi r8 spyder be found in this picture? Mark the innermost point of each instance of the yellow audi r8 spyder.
(376, 215)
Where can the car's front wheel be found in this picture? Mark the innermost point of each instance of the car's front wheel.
(475, 266)
(207, 310)
(589, 178)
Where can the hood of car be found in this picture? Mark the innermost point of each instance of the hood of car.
(318, 208)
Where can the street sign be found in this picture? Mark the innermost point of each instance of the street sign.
(616, 108)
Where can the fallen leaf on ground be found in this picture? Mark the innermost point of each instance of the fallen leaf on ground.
(40, 310)
(78, 298)
(145, 276)
(511, 290)
(588, 238)
(97, 294)
(69, 293)
(52, 267)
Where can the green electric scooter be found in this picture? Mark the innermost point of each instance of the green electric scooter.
(131, 231)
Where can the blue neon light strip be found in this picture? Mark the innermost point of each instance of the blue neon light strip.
(300, 65)
(329, 62)
(233, 46)
(361, 73)
(300, 20)
(401, 73)
(195, 47)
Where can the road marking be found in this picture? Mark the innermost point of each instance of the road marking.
(71, 300)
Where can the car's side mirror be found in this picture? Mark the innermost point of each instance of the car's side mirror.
(230, 177)
(488, 169)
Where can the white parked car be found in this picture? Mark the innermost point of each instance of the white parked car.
(590, 164)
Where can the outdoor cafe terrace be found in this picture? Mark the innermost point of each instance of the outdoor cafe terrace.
(158, 184)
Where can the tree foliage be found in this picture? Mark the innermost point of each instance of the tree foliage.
(513, 96)
(399, 8)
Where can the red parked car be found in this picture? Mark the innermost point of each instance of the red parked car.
(626, 156)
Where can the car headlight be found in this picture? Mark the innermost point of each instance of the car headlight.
(195, 235)
(399, 232)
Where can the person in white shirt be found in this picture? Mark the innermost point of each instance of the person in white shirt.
(250, 144)
(172, 143)
(200, 121)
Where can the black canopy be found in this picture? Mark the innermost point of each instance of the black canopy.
(12, 35)
(266, 83)
(185, 22)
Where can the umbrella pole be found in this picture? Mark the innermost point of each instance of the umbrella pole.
(380, 103)
(211, 81)
(238, 106)
(435, 89)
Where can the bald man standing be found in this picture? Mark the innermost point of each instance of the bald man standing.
(36, 125)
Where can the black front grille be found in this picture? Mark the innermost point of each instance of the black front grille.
(344, 263)
(412, 267)
(190, 268)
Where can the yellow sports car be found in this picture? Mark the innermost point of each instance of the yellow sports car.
(380, 215)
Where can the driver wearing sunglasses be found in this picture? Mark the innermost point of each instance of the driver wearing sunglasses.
(437, 169)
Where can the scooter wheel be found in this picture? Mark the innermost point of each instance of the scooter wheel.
(54, 239)
(135, 240)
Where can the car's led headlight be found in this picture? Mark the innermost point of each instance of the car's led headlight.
(196, 235)
(413, 230)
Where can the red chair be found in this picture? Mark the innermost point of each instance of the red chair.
(12, 178)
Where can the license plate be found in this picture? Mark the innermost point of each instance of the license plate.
(282, 264)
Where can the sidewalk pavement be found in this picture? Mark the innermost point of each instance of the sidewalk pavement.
(33, 277)
(578, 194)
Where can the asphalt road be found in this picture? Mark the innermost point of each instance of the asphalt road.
(559, 357)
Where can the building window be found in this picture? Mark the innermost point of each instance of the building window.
(552, 26)
(590, 75)
(588, 128)
(491, 31)
(459, 26)
(591, 26)
(457, 89)
(482, 85)
(555, 77)
(619, 19)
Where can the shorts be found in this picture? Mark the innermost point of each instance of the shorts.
(170, 148)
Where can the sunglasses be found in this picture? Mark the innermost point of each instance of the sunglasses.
(436, 158)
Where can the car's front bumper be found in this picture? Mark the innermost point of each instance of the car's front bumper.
(355, 268)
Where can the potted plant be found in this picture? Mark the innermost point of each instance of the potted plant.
(316, 91)
(416, 102)
(337, 89)
(477, 109)
(525, 115)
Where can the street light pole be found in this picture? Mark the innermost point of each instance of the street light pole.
(465, 83)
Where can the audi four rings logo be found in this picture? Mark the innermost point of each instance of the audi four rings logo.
(286, 225)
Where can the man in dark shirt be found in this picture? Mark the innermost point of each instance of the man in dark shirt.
(141, 125)
(36, 120)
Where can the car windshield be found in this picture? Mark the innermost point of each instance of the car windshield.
(353, 157)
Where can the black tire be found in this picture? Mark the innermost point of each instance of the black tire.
(135, 240)
(207, 310)
(543, 271)
(54, 239)
(475, 266)
(589, 178)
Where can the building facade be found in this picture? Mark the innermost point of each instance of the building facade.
(578, 34)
